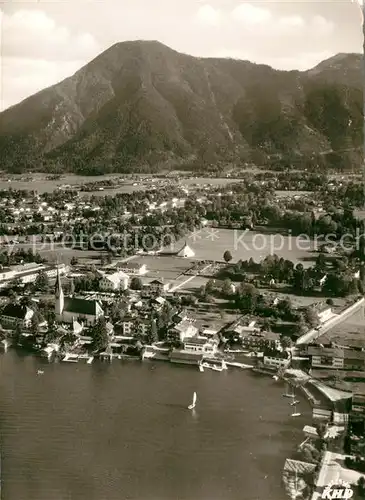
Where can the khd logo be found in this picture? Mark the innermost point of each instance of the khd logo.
(341, 490)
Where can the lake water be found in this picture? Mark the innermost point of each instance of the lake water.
(122, 431)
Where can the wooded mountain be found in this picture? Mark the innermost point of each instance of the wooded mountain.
(142, 106)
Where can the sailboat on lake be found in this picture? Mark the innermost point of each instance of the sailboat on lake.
(192, 406)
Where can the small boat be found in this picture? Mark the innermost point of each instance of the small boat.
(276, 378)
(217, 368)
(71, 358)
(192, 406)
(295, 413)
(40, 372)
(295, 402)
(201, 368)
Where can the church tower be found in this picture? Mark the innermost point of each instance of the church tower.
(59, 303)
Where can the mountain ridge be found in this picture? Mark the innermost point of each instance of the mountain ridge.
(140, 105)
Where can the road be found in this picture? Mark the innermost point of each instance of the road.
(308, 337)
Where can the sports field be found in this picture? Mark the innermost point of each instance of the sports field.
(211, 243)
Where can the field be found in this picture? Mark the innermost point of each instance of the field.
(53, 251)
(42, 185)
(210, 244)
(255, 245)
(285, 194)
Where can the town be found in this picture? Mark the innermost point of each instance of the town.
(176, 274)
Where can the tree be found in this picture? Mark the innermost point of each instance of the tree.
(15, 283)
(136, 283)
(72, 287)
(99, 334)
(227, 287)
(285, 307)
(42, 282)
(321, 262)
(300, 327)
(286, 342)
(74, 261)
(50, 317)
(360, 487)
(247, 298)
(34, 327)
(17, 334)
(227, 256)
(311, 317)
(153, 334)
(68, 341)
(210, 287)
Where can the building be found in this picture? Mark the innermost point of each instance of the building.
(132, 268)
(16, 314)
(275, 359)
(186, 252)
(28, 272)
(240, 329)
(260, 340)
(182, 330)
(185, 357)
(115, 281)
(326, 357)
(67, 309)
(155, 287)
(200, 345)
(358, 407)
(336, 358)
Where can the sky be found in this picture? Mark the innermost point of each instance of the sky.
(43, 42)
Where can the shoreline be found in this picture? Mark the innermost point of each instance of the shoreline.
(286, 475)
(43, 360)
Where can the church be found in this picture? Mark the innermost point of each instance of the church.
(69, 309)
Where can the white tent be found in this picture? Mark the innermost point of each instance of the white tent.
(186, 252)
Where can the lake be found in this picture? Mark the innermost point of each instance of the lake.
(122, 431)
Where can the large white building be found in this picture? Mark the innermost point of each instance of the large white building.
(132, 268)
(114, 281)
(28, 272)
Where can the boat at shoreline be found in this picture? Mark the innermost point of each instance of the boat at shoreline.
(71, 358)
(193, 404)
(295, 412)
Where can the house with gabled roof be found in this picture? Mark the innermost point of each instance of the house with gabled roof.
(16, 314)
(114, 281)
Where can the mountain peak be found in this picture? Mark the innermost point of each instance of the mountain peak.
(141, 104)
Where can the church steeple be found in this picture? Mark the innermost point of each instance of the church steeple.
(59, 303)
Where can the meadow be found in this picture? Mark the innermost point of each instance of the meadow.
(211, 243)
(41, 184)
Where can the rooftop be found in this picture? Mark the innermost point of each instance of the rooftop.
(16, 311)
(185, 355)
(195, 340)
(81, 306)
